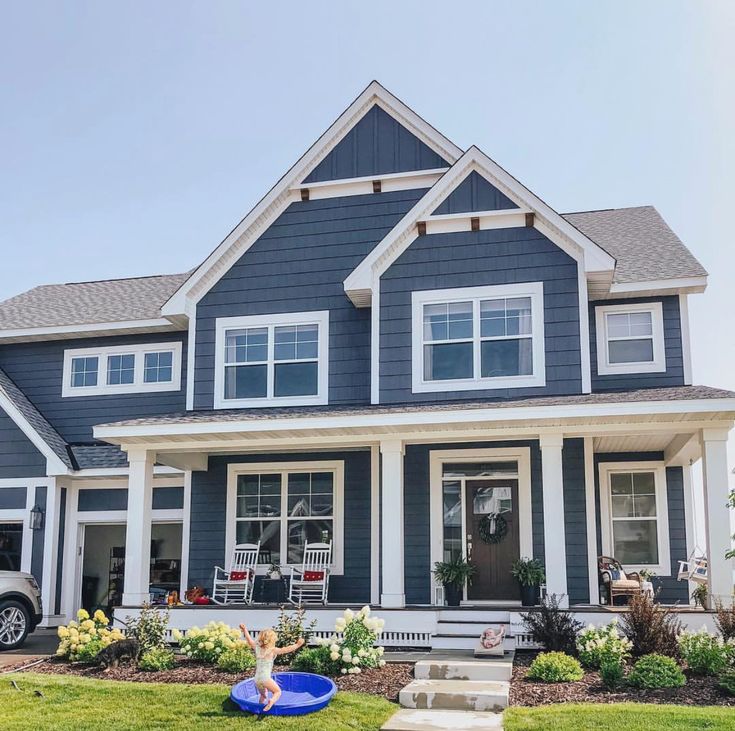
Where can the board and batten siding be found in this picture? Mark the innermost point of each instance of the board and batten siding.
(208, 507)
(37, 369)
(575, 521)
(470, 259)
(18, 455)
(299, 264)
(674, 374)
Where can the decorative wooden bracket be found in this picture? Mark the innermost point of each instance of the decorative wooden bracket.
(304, 194)
(529, 219)
(475, 223)
(422, 228)
(377, 186)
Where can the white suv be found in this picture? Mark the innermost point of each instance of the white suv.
(20, 608)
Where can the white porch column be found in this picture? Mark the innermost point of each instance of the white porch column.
(138, 530)
(392, 594)
(717, 516)
(555, 549)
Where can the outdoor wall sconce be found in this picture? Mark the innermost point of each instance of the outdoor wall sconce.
(37, 515)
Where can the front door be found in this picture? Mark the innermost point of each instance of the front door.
(491, 508)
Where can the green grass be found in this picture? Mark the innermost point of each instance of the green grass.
(81, 704)
(619, 717)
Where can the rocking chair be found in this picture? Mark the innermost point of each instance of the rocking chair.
(310, 583)
(236, 585)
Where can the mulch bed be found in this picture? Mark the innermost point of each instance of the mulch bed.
(698, 691)
(386, 681)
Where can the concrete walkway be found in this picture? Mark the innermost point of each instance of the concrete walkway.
(42, 643)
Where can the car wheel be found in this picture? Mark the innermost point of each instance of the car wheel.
(14, 624)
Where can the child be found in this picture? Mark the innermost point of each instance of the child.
(265, 653)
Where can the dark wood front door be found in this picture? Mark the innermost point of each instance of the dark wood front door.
(492, 561)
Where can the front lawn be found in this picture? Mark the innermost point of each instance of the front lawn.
(83, 704)
(614, 717)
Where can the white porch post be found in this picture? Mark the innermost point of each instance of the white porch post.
(138, 530)
(555, 549)
(392, 593)
(717, 516)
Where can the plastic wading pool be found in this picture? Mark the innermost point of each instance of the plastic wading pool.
(301, 693)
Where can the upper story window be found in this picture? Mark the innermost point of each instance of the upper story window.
(272, 360)
(478, 338)
(630, 338)
(122, 369)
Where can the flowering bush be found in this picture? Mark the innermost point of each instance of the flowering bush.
(236, 659)
(208, 643)
(595, 645)
(80, 641)
(706, 654)
(157, 659)
(355, 649)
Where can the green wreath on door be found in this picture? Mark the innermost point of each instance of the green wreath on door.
(493, 528)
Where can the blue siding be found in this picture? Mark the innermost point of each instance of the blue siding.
(299, 265)
(467, 259)
(37, 369)
(38, 539)
(376, 144)
(575, 521)
(13, 498)
(674, 375)
(99, 498)
(208, 503)
(474, 193)
(18, 456)
(168, 498)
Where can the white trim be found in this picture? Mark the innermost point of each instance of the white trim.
(185, 534)
(50, 549)
(686, 342)
(281, 195)
(284, 468)
(375, 346)
(138, 351)
(657, 365)
(690, 520)
(663, 567)
(223, 324)
(534, 290)
(191, 360)
(584, 330)
(591, 515)
(438, 457)
(455, 222)
(66, 332)
(693, 285)
(23, 515)
(374, 524)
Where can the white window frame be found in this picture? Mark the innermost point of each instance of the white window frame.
(534, 290)
(319, 318)
(336, 467)
(606, 469)
(138, 350)
(657, 365)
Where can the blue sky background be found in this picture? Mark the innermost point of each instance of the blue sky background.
(133, 136)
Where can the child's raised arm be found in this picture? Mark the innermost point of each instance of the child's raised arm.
(289, 648)
(248, 638)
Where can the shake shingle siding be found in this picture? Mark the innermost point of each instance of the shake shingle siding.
(469, 259)
(18, 456)
(299, 265)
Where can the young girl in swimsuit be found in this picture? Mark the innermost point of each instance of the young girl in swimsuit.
(265, 653)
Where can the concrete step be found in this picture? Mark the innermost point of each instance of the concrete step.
(408, 719)
(464, 627)
(489, 616)
(456, 666)
(456, 695)
(464, 642)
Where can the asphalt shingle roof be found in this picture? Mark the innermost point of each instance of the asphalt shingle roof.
(95, 456)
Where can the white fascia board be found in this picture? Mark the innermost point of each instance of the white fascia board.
(410, 418)
(65, 332)
(688, 285)
(239, 240)
(548, 221)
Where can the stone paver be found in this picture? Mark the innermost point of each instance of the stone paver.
(456, 695)
(420, 720)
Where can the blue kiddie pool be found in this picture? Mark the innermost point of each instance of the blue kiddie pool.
(301, 693)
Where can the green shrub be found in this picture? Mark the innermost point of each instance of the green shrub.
(555, 667)
(726, 682)
(656, 671)
(159, 658)
(237, 659)
(315, 660)
(289, 628)
(651, 628)
(149, 627)
(612, 673)
(552, 627)
(597, 644)
(704, 653)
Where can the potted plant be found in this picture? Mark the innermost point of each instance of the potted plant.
(529, 572)
(700, 596)
(274, 571)
(453, 575)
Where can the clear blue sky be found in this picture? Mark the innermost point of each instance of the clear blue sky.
(134, 135)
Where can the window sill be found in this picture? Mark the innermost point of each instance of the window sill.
(605, 369)
(264, 403)
(489, 384)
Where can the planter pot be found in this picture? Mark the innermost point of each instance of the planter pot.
(452, 594)
(529, 596)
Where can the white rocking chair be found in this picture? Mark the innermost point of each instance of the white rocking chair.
(693, 569)
(310, 583)
(236, 585)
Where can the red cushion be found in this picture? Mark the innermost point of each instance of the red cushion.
(201, 600)
(239, 575)
(313, 575)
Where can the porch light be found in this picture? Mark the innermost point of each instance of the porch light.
(37, 515)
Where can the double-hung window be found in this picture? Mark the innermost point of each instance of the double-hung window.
(120, 369)
(478, 338)
(630, 338)
(272, 360)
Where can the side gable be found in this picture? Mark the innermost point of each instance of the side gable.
(474, 193)
(377, 144)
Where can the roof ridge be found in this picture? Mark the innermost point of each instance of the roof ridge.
(607, 210)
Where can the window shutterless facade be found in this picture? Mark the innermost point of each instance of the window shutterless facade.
(630, 338)
(272, 360)
(478, 338)
(122, 369)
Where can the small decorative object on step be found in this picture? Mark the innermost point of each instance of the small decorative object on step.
(491, 641)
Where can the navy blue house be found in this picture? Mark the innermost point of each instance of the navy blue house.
(399, 348)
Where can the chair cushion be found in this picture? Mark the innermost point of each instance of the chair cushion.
(239, 575)
(626, 584)
(617, 574)
(313, 575)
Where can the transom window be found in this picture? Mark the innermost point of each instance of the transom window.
(630, 338)
(480, 337)
(287, 506)
(272, 360)
(122, 369)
